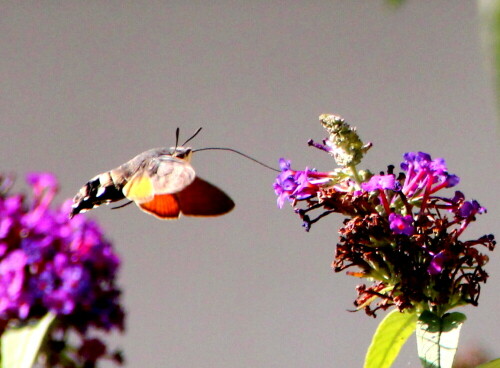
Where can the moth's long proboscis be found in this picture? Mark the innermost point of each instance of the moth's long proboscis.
(239, 153)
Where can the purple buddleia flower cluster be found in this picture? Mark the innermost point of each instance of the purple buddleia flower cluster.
(398, 231)
(49, 263)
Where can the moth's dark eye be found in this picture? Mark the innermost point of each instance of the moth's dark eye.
(182, 152)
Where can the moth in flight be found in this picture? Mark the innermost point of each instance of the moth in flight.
(160, 181)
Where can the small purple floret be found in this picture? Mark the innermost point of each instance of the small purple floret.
(297, 185)
(470, 208)
(437, 264)
(284, 164)
(424, 175)
(380, 182)
(401, 224)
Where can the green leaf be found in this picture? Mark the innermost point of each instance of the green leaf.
(389, 338)
(20, 345)
(437, 338)
(493, 364)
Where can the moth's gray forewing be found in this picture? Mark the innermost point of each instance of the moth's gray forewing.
(124, 173)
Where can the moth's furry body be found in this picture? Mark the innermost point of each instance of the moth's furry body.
(161, 181)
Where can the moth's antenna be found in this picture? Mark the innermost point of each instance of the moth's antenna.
(239, 153)
(194, 135)
(176, 138)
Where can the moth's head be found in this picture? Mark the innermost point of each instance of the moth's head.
(183, 153)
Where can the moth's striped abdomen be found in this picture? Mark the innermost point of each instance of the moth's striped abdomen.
(101, 189)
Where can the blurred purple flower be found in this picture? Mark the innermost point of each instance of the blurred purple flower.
(51, 263)
(12, 278)
(42, 181)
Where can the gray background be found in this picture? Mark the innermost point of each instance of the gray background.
(87, 85)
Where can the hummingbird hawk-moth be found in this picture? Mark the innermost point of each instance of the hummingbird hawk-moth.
(161, 182)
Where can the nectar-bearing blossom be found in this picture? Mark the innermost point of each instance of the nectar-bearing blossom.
(49, 263)
(400, 232)
(297, 185)
(401, 224)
